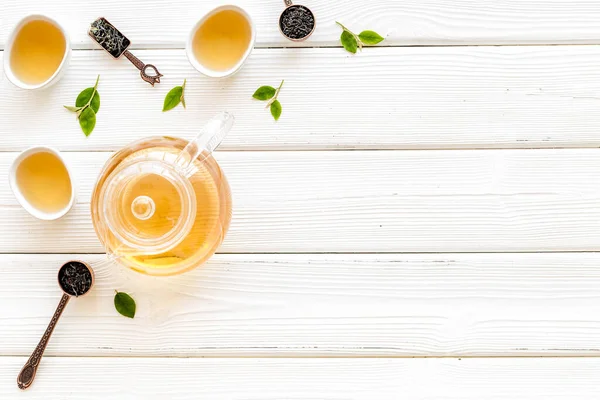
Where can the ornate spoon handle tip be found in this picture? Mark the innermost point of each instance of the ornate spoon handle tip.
(151, 79)
(27, 374)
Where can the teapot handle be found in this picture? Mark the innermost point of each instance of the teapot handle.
(209, 138)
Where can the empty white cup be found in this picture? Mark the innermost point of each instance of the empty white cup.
(210, 72)
(14, 79)
(31, 209)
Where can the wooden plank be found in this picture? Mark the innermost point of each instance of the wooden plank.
(241, 378)
(368, 201)
(316, 305)
(398, 98)
(153, 23)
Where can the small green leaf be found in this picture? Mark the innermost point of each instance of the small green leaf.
(87, 120)
(349, 42)
(370, 37)
(124, 304)
(276, 109)
(183, 93)
(84, 98)
(74, 109)
(86, 106)
(173, 98)
(264, 93)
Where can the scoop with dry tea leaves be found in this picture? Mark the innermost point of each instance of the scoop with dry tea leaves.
(296, 22)
(116, 44)
(75, 279)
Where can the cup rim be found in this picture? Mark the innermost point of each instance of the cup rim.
(220, 74)
(10, 42)
(12, 174)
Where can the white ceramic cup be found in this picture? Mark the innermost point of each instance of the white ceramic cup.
(9, 44)
(207, 71)
(12, 177)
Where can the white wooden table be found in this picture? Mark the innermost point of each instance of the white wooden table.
(422, 223)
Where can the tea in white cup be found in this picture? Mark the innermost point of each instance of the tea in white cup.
(221, 41)
(42, 184)
(37, 50)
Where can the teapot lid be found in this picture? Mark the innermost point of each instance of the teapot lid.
(149, 205)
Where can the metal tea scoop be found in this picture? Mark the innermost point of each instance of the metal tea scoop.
(296, 22)
(116, 44)
(75, 278)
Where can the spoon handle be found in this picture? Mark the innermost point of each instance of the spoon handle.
(27, 374)
(139, 64)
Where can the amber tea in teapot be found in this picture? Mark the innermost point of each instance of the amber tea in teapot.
(162, 205)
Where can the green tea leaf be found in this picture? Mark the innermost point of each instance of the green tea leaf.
(85, 96)
(87, 120)
(173, 98)
(264, 93)
(271, 94)
(276, 109)
(74, 109)
(349, 42)
(124, 304)
(86, 106)
(183, 93)
(370, 37)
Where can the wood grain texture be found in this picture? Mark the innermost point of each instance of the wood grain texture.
(353, 321)
(398, 98)
(315, 305)
(269, 379)
(368, 201)
(154, 23)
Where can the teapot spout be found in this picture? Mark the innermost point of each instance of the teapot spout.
(209, 138)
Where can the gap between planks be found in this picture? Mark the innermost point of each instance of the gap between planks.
(437, 99)
(342, 253)
(303, 379)
(462, 45)
(319, 306)
(311, 357)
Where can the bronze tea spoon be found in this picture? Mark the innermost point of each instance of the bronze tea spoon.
(75, 278)
(116, 44)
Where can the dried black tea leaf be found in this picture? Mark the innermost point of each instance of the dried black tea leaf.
(297, 22)
(109, 37)
(75, 278)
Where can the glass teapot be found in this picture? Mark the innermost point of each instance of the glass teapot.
(162, 205)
